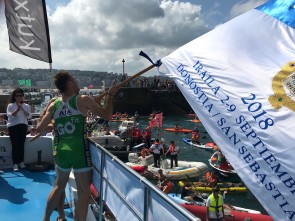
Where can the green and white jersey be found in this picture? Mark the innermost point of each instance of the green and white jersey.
(70, 141)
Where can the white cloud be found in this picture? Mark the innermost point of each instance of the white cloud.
(97, 34)
(241, 7)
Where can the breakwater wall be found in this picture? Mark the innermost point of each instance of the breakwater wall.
(145, 101)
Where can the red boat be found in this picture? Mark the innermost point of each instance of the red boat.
(178, 130)
(235, 215)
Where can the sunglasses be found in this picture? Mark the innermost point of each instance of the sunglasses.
(19, 95)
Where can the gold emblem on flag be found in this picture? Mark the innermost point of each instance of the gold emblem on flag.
(285, 79)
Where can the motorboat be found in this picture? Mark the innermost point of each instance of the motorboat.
(107, 140)
(126, 124)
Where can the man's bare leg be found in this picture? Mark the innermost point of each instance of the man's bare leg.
(55, 195)
(83, 181)
(60, 207)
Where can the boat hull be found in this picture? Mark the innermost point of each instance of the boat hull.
(185, 169)
(200, 211)
(213, 164)
(222, 187)
(183, 130)
(200, 145)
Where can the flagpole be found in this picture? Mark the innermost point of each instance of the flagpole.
(121, 84)
(99, 97)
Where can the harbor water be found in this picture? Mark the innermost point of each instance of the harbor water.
(190, 153)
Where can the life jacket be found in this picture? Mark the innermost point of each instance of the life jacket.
(148, 134)
(211, 180)
(138, 168)
(172, 149)
(213, 207)
(195, 134)
(168, 187)
(207, 175)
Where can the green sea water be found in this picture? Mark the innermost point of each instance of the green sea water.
(190, 153)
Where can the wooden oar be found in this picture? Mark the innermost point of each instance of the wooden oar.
(121, 84)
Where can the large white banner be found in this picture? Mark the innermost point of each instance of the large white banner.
(239, 79)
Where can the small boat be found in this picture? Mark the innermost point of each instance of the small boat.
(223, 167)
(182, 172)
(118, 119)
(190, 115)
(230, 214)
(126, 124)
(185, 169)
(140, 159)
(199, 209)
(196, 121)
(225, 186)
(107, 141)
(207, 146)
(179, 130)
(115, 145)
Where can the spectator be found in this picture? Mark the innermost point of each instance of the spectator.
(18, 114)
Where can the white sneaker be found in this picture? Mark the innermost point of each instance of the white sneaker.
(15, 167)
(22, 165)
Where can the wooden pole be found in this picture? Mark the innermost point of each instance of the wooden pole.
(121, 84)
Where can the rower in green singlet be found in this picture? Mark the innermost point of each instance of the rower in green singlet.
(70, 140)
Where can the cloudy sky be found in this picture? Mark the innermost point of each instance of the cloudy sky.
(97, 34)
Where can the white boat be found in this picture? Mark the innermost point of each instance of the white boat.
(126, 124)
(207, 146)
(135, 158)
(107, 141)
(225, 171)
(185, 169)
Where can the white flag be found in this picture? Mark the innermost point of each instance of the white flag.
(240, 80)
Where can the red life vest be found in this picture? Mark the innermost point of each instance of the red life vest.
(138, 168)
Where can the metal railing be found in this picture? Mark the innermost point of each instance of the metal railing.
(129, 195)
